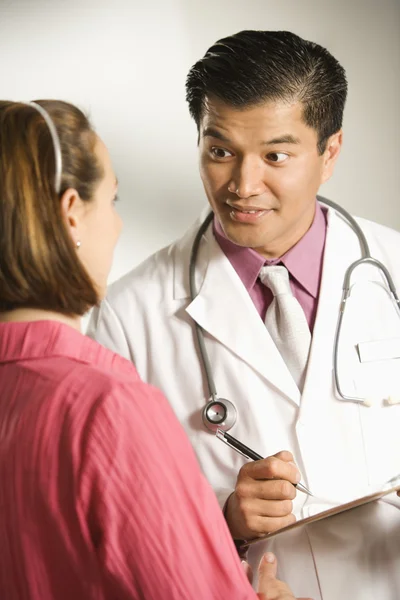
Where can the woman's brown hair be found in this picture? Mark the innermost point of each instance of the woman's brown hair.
(39, 266)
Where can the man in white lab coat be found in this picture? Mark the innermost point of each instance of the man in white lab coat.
(269, 275)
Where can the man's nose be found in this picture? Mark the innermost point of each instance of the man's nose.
(248, 179)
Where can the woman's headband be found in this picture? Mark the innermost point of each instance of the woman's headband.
(56, 143)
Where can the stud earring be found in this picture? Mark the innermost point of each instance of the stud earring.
(78, 244)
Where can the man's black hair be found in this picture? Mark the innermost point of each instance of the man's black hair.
(254, 67)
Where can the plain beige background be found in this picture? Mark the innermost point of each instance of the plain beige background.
(125, 61)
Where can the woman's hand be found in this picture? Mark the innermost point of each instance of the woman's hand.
(269, 587)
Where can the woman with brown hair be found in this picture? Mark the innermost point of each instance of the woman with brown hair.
(101, 496)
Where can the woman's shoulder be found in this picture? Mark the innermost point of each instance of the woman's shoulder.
(100, 405)
(92, 381)
(76, 374)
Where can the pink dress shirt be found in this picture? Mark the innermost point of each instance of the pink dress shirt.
(101, 496)
(303, 261)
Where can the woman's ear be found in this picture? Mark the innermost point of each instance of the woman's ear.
(71, 210)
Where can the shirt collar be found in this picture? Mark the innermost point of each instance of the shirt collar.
(303, 260)
(246, 261)
(43, 339)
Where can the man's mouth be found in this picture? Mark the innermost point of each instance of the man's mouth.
(250, 214)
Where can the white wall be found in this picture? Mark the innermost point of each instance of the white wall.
(126, 62)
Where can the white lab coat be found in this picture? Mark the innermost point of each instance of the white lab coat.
(344, 450)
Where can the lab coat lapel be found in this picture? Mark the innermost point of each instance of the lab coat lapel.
(224, 309)
(341, 248)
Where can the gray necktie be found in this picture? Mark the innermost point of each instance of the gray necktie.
(287, 323)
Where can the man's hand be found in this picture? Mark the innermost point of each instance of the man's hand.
(269, 587)
(262, 500)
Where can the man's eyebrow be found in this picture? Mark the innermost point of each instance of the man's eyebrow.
(287, 138)
(211, 132)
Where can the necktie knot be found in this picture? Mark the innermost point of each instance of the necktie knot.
(276, 278)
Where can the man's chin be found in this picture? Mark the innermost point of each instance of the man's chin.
(245, 241)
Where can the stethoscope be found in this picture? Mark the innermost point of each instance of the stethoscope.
(220, 413)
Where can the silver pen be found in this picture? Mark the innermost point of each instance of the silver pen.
(247, 452)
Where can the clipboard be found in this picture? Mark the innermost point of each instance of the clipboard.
(331, 512)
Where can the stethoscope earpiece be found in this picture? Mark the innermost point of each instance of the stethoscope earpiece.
(219, 414)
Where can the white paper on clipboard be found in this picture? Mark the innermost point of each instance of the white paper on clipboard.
(331, 512)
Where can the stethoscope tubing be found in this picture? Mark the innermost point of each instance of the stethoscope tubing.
(366, 258)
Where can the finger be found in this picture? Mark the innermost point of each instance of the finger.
(285, 455)
(248, 570)
(272, 588)
(270, 508)
(267, 568)
(273, 468)
(258, 525)
(273, 489)
(264, 525)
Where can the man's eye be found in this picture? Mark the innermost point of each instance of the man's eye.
(220, 152)
(277, 157)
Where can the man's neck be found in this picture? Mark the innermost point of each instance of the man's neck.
(278, 249)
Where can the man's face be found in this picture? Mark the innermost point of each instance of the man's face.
(261, 171)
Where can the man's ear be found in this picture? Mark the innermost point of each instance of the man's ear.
(71, 210)
(331, 154)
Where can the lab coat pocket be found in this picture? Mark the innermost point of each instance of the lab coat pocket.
(379, 382)
(379, 350)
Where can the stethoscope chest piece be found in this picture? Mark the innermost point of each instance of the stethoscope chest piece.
(219, 414)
